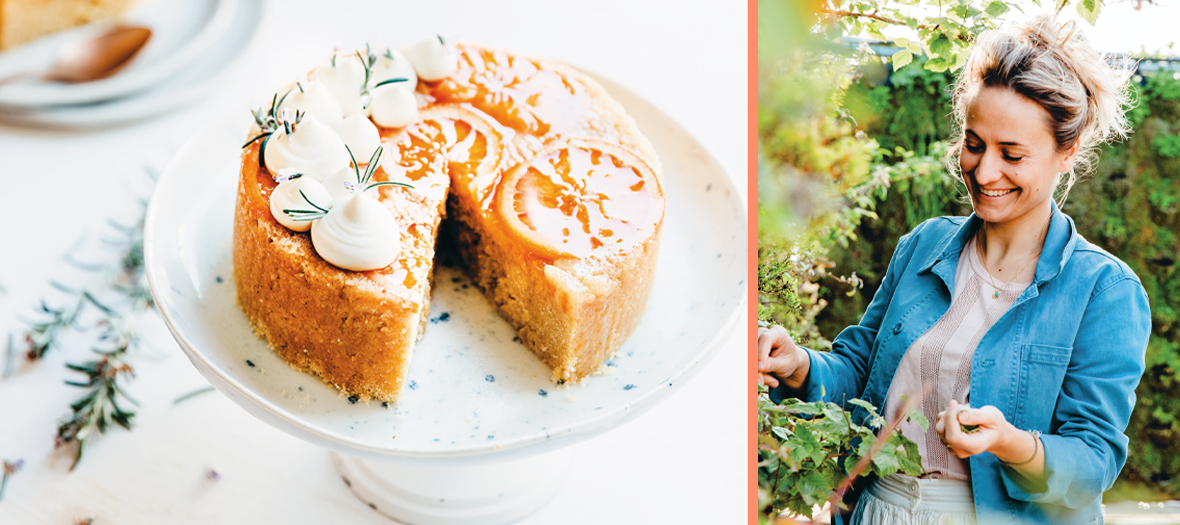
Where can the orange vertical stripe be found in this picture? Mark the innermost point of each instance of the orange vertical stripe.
(752, 250)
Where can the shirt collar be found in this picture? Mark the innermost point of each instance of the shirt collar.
(1059, 245)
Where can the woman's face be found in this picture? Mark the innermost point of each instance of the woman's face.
(1009, 160)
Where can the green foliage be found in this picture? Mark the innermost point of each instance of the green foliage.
(1167, 145)
(909, 108)
(806, 449)
(945, 28)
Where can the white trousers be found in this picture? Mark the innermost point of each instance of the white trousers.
(905, 500)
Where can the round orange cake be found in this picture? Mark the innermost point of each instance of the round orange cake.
(549, 192)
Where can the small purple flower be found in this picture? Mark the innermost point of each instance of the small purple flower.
(11, 467)
(287, 174)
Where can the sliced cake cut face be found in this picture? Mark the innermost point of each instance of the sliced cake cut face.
(563, 234)
(551, 196)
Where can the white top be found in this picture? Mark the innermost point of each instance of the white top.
(939, 362)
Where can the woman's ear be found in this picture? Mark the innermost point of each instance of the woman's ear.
(1071, 155)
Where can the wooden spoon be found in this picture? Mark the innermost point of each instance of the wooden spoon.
(93, 59)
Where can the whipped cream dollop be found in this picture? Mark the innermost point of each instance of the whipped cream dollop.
(358, 233)
(433, 58)
(312, 148)
(360, 135)
(337, 183)
(316, 101)
(393, 105)
(288, 196)
(391, 63)
(344, 77)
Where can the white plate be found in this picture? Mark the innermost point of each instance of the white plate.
(196, 80)
(473, 392)
(181, 32)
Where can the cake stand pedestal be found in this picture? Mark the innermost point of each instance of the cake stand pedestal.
(482, 494)
(480, 434)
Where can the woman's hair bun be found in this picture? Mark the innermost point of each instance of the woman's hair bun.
(1053, 65)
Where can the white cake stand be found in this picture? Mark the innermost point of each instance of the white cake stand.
(481, 435)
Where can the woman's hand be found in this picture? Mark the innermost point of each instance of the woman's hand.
(780, 360)
(993, 432)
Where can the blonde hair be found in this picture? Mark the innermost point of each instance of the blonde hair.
(1052, 65)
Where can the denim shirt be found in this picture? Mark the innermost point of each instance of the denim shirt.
(1064, 359)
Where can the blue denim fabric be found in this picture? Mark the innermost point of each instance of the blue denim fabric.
(1065, 360)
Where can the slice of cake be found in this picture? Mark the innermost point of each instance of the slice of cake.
(552, 197)
(25, 20)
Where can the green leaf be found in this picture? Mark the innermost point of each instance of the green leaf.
(901, 58)
(917, 417)
(1089, 10)
(937, 65)
(807, 442)
(886, 461)
(785, 434)
(939, 45)
(996, 8)
(863, 404)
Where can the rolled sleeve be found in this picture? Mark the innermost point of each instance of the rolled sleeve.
(1086, 447)
(840, 375)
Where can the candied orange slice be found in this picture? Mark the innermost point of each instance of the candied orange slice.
(581, 199)
(451, 139)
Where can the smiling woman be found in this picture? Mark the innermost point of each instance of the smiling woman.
(1010, 308)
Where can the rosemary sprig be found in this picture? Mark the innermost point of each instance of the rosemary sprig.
(99, 407)
(307, 215)
(268, 120)
(363, 180)
(368, 60)
(288, 124)
(369, 170)
(44, 335)
(440, 39)
(10, 468)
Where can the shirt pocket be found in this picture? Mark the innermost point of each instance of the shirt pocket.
(1042, 373)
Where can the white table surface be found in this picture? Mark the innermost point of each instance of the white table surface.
(685, 461)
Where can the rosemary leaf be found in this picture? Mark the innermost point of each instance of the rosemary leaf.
(192, 394)
(10, 468)
(387, 183)
(314, 205)
(372, 167)
(9, 354)
(390, 81)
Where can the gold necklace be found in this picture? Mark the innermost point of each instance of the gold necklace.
(981, 248)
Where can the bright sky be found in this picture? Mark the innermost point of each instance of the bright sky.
(1120, 28)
